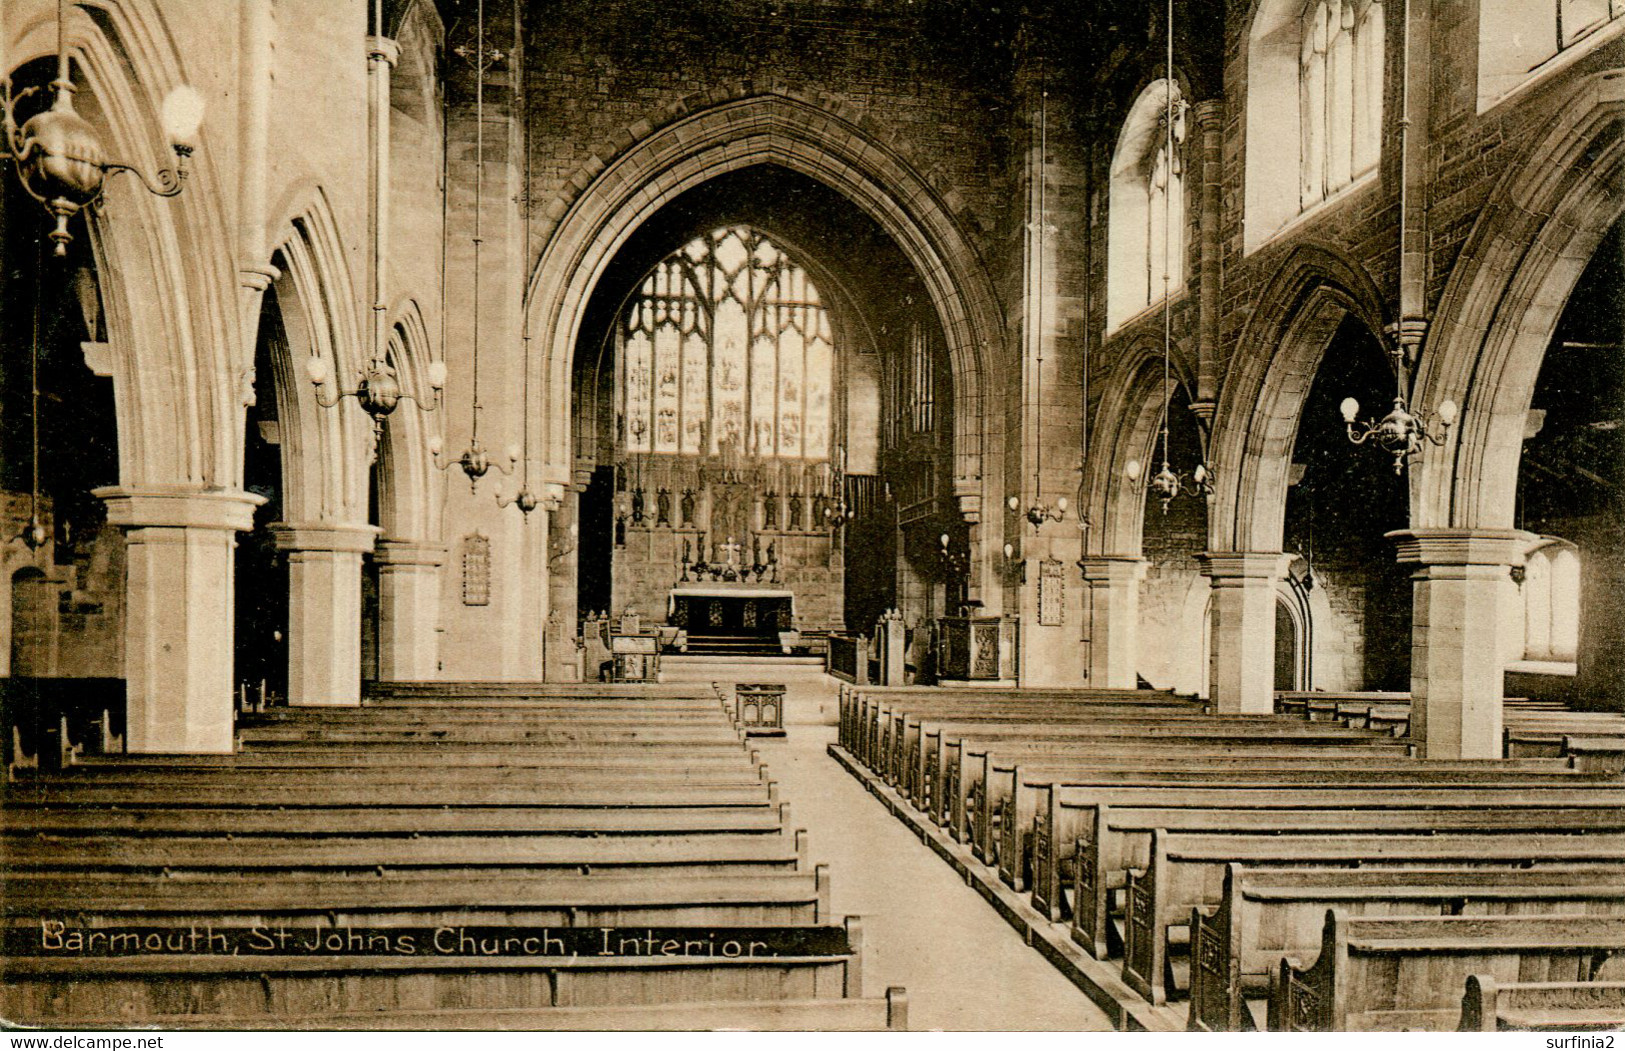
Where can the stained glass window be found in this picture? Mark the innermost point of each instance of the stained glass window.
(727, 347)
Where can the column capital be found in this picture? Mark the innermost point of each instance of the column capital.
(179, 507)
(258, 277)
(408, 553)
(382, 47)
(358, 539)
(1112, 569)
(1461, 547)
(1208, 113)
(1227, 568)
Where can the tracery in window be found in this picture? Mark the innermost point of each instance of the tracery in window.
(1339, 94)
(1146, 211)
(727, 349)
(1328, 56)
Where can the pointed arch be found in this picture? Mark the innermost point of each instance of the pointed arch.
(1504, 297)
(324, 449)
(611, 202)
(1280, 349)
(166, 274)
(408, 502)
(1131, 407)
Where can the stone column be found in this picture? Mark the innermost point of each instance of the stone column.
(1457, 670)
(408, 609)
(1241, 661)
(1113, 612)
(180, 610)
(324, 610)
(1600, 679)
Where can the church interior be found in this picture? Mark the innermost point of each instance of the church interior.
(616, 514)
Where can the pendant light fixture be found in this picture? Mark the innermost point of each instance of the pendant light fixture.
(1402, 433)
(59, 155)
(475, 461)
(524, 499)
(1040, 512)
(378, 387)
(1168, 484)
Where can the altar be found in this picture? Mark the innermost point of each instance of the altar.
(738, 611)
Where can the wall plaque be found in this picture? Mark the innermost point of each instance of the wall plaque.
(1051, 593)
(476, 570)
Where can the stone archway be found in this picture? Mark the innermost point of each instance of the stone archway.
(1255, 428)
(614, 197)
(1495, 320)
(1503, 300)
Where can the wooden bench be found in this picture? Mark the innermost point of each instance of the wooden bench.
(918, 745)
(1270, 913)
(847, 1014)
(1490, 1005)
(250, 793)
(447, 856)
(527, 972)
(1109, 829)
(1186, 870)
(651, 895)
(30, 820)
(1010, 792)
(1385, 973)
(1087, 740)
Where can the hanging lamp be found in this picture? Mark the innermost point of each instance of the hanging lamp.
(59, 155)
(1039, 512)
(1402, 433)
(475, 461)
(1168, 484)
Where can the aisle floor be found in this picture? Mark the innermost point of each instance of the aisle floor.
(964, 967)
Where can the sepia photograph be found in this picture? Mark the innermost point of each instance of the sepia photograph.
(807, 516)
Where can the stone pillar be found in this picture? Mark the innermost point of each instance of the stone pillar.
(408, 610)
(1241, 660)
(324, 611)
(1113, 612)
(1600, 672)
(180, 610)
(1457, 671)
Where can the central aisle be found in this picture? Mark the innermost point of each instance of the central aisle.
(924, 929)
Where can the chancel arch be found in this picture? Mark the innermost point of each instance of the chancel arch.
(760, 383)
(825, 147)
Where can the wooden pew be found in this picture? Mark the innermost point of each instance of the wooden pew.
(1266, 914)
(651, 895)
(979, 780)
(1385, 973)
(990, 779)
(1490, 1005)
(249, 794)
(527, 972)
(447, 856)
(919, 746)
(1186, 871)
(1171, 740)
(1109, 829)
(26, 820)
(847, 1014)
